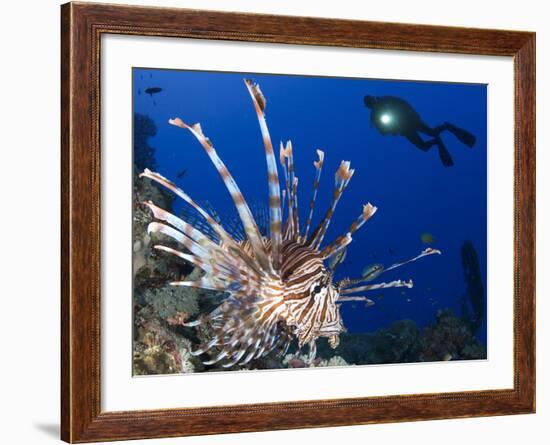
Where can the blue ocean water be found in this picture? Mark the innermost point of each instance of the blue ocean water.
(415, 194)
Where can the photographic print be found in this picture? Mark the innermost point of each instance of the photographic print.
(293, 201)
(285, 221)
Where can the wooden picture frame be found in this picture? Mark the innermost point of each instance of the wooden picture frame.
(82, 26)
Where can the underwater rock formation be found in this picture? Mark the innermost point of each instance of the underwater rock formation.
(450, 338)
(400, 343)
(473, 303)
(160, 347)
(150, 268)
(143, 191)
(144, 154)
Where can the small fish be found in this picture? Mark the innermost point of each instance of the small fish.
(371, 272)
(337, 259)
(427, 238)
(153, 90)
(369, 302)
(408, 300)
(181, 173)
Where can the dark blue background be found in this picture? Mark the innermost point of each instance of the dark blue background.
(414, 193)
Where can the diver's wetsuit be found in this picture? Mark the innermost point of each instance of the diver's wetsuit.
(392, 115)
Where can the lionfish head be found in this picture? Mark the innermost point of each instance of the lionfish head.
(310, 294)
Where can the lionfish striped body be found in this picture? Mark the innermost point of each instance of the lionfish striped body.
(278, 286)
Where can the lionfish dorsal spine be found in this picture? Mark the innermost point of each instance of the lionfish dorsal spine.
(341, 179)
(318, 169)
(296, 216)
(275, 217)
(333, 249)
(248, 222)
(368, 211)
(286, 160)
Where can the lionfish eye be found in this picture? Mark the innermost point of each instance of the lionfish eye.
(317, 289)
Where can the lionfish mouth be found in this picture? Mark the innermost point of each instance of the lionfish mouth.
(277, 285)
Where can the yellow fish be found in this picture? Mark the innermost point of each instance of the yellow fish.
(427, 238)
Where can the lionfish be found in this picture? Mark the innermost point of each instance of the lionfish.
(277, 287)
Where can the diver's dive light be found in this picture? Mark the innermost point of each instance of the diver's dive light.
(386, 118)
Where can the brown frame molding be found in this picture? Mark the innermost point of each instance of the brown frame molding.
(82, 25)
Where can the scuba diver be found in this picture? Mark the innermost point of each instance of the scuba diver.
(392, 115)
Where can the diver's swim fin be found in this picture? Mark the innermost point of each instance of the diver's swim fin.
(462, 135)
(444, 155)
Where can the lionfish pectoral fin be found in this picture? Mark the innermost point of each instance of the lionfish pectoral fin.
(312, 352)
(368, 301)
(425, 252)
(242, 332)
(216, 359)
(346, 283)
(396, 283)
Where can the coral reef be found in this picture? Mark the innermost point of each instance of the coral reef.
(450, 338)
(161, 344)
(301, 361)
(170, 302)
(400, 343)
(159, 350)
